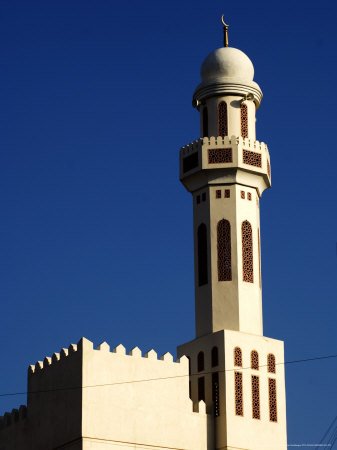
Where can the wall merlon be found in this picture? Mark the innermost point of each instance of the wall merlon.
(103, 347)
(55, 357)
(136, 352)
(63, 353)
(120, 350)
(167, 357)
(47, 361)
(83, 345)
(31, 368)
(151, 354)
(72, 348)
(38, 366)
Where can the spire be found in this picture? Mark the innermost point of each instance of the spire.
(225, 32)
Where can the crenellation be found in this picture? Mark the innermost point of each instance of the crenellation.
(136, 352)
(47, 361)
(167, 357)
(151, 354)
(72, 348)
(55, 357)
(120, 350)
(103, 347)
(63, 353)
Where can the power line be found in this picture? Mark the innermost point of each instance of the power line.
(296, 361)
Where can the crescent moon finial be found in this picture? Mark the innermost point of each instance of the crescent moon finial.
(225, 24)
(225, 31)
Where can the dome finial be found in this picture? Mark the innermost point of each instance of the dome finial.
(225, 32)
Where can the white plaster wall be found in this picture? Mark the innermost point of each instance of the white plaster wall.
(143, 414)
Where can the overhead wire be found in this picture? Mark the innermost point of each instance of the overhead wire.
(202, 373)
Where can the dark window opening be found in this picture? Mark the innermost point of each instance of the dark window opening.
(201, 389)
(201, 361)
(215, 357)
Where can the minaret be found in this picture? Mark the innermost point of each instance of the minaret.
(234, 368)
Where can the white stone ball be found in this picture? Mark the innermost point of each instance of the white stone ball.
(227, 62)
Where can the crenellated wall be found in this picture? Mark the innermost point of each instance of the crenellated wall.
(87, 398)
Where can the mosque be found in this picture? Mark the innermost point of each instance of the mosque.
(226, 390)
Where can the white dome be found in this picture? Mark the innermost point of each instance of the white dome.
(227, 62)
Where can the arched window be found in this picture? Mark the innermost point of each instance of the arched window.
(271, 363)
(205, 121)
(254, 360)
(244, 120)
(247, 252)
(222, 119)
(237, 357)
(224, 250)
(215, 357)
(201, 361)
(202, 255)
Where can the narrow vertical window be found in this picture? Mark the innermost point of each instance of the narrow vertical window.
(272, 400)
(244, 120)
(202, 255)
(247, 252)
(205, 122)
(237, 357)
(224, 250)
(201, 389)
(222, 119)
(254, 360)
(271, 363)
(201, 361)
(238, 393)
(215, 357)
(215, 394)
(255, 397)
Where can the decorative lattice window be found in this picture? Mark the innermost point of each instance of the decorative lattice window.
(258, 239)
(255, 397)
(222, 119)
(224, 250)
(205, 122)
(271, 363)
(220, 155)
(247, 252)
(218, 193)
(242, 194)
(227, 193)
(201, 389)
(215, 357)
(215, 394)
(201, 361)
(254, 360)
(268, 168)
(202, 255)
(249, 196)
(272, 400)
(238, 393)
(244, 120)
(252, 158)
(238, 357)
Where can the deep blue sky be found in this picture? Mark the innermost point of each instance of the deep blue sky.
(96, 234)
